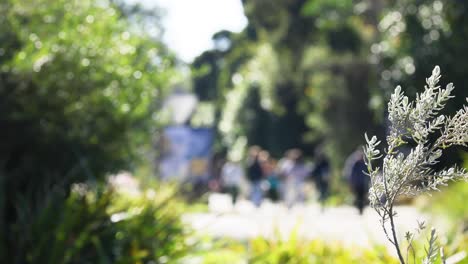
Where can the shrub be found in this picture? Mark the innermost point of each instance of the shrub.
(78, 90)
(297, 251)
(421, 124)
(291, 251)
(450, 204)
(101, 225)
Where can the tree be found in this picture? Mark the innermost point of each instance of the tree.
(78, 89)
(300, 75)
(415, 35)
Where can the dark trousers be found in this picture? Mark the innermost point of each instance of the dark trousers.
(233, 191)
(360, 193)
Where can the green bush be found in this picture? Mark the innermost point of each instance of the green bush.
(79, 87)
(101, 225)
(297, 251)
(451, 203)
(209, 250)
(455, 243)
(78, 90)
(290, 251)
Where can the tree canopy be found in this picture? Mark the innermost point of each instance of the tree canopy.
(309, 73)
(79, 84)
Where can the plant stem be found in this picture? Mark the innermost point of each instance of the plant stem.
(395, 239)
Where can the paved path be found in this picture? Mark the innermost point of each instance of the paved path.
(342, 224)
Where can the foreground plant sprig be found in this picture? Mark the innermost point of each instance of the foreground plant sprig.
(411, 173)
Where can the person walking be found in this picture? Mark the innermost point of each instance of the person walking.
(321, 176)
(271, 181)
(255, 175)
(295, 173)
(355, 168)
(231, 176)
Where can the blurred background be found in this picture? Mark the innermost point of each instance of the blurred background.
(178, 131)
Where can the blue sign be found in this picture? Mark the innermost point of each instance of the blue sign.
(187, 152)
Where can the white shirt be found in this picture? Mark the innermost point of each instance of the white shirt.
(232, 174)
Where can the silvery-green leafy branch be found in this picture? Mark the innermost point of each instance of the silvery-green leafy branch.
(416, 122)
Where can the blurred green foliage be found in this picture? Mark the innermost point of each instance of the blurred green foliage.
(450, 208)
(78, 90)
(451, 203)
(316, 74)
(101, 225)
(297, 76)
(81, 83)
(293, 250)
(415, 36)
(454, 245)
(79, 86)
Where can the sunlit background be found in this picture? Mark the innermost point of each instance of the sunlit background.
(218, 131)
(190, 25)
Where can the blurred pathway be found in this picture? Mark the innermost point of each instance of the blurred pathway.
(343, 224)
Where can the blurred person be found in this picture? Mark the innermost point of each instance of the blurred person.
(295, 173)
(232, 175)
(283, 168)
(272, 182)
(321, 175)
(355, 172)
(255, 175)
(218, 160)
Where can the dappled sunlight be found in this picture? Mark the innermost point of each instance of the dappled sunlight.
(198, 132)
